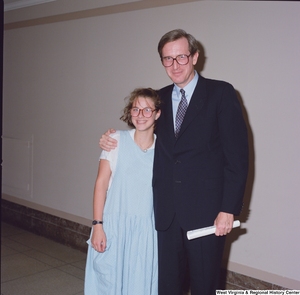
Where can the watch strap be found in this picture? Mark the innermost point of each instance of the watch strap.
(94, 222)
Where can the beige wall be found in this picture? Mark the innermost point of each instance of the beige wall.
(67, 68)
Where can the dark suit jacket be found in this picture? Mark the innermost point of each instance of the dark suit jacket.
(204, 170)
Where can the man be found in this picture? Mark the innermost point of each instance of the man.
(200, 168)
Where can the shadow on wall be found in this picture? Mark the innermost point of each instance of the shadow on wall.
(199, 67)
(244, 216)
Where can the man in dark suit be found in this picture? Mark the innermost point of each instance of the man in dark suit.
(199, 175)
(200, 168)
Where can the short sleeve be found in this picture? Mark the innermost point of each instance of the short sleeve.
(113, 154)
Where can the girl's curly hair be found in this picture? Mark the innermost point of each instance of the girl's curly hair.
(139, 92)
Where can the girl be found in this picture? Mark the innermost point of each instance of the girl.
(122, 251)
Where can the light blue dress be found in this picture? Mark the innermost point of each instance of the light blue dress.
(129, 264)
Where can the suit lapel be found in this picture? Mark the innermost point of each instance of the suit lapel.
(166, 120)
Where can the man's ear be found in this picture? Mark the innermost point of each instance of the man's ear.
(195, 57)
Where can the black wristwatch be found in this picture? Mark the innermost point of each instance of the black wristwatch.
(94, 222)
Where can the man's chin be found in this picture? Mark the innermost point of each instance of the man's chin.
(176, 80)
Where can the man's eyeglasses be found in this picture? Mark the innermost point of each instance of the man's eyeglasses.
(147, 112)
(181, 59)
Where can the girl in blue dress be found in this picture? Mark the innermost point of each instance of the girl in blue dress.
(122, 249)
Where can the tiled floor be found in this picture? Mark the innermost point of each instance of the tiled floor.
(34, 265)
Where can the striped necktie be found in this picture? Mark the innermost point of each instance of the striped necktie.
(182, 107)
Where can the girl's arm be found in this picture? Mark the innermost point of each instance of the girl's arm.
(98, 239)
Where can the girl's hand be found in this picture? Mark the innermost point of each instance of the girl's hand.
(98, 238)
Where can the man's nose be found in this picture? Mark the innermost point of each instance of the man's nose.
(175, 64)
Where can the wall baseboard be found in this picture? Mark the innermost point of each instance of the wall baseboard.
(238, 281)
(75, 235)
(61, 230)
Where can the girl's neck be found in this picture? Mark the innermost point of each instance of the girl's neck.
(144, 139)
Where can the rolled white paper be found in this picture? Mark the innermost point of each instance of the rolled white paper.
(201, 232)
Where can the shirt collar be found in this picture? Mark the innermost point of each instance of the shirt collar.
(189, 88)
